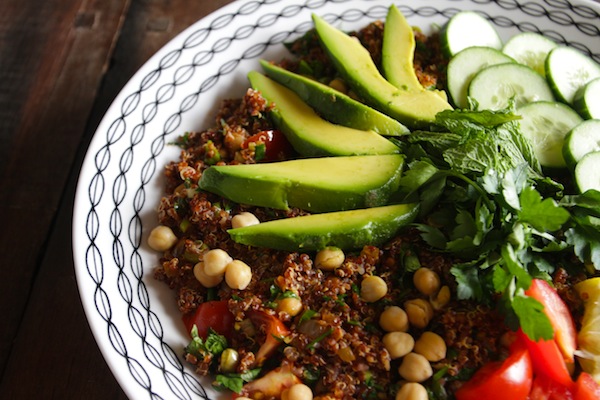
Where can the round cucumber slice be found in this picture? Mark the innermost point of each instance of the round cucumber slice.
(545, 124)
(463, 67)
(568, 70)
(587, 172)
(531, 49)
(494, 86)
(581, 140)
(587, 100)
(467, 29)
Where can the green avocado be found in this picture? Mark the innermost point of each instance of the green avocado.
(344, 229)
(311, 135)
(333, 105)
(313, 184)
(398, 51)
(412, 107)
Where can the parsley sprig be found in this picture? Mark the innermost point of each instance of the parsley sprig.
(484, 198)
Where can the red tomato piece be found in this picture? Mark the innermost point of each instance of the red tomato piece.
(559, 316)
(547, 359)
(277, 147)
(211, 314)
(586, 388)
(544, 388)
(501, 380)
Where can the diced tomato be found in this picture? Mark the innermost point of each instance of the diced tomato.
(586, 388)
(547, 359)
(211, 314)
(508, 379)
(559, 316)
(544, 388)
(277, 147)
(274, 330)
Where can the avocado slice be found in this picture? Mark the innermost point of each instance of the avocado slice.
(412, 107)
(398, 50)
(334, 105)
(313, 184)
(344, 229)
(311, 135)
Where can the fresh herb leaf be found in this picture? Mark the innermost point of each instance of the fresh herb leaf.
(543, 215)
(235, 382)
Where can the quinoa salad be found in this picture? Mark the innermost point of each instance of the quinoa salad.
(402, 319)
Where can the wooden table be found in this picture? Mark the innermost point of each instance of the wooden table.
(61, 64)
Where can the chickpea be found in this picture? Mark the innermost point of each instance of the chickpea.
(431, 346)
(398, 344)
(238, 275)
(426, 281)
(244, 219)
(215, 261)
(161, 238)
(415, 368)
(372, 288)
(412, 391)
(206, 280)
(289, 305)
(298, 391)
(419, 312)
(229, 361)
(393, 319)
(329, 258)
(441, 299)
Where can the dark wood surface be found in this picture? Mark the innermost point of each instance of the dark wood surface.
(61, 64)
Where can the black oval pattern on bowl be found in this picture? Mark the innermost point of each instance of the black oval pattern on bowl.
(133, 293)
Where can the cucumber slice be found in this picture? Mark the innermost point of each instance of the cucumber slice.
(587, 172)
(581, 140)
(568, 70)
(587, 100)
(531, 49)
(467, 29)
(495, 85)
(463, 67)
(545, 124)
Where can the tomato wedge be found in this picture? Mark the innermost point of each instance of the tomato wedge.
(586, 388)
(547, 359)
(508, 379)
(544, 388)
(559, 316)
(211, 314)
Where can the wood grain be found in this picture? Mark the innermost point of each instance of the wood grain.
(62, 62)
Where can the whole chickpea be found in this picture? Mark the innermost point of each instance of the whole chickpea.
(393, 319)
(205, 280)
(415, 368)
(298, 391)
(161, 238)
(412, 391)
(244, 219)
(419, 312)
(215, 261)
(372, 288)
(238, 275)
(431, 346)
(329, 258)
(426, 281)
(289, 305)
(398, 344)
